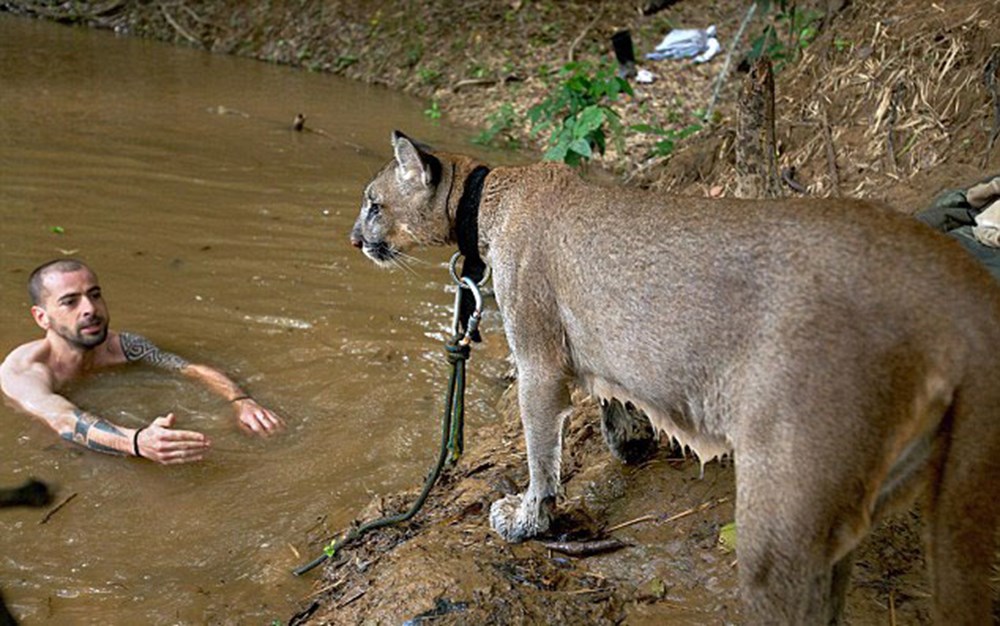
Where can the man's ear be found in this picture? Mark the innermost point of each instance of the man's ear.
(41, 317)
(411, 167)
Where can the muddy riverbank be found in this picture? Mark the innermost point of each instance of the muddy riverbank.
(885, 102)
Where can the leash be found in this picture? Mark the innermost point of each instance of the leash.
(457, 349)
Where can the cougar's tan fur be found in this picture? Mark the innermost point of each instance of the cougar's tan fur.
(847, 356)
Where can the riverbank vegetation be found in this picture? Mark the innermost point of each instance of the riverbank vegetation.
(872, 99)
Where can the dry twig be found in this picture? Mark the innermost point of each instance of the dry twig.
(48, 515)
(831, 153)
(583, 33)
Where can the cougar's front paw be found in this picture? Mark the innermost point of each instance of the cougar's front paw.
(515, 518)
(628, 432)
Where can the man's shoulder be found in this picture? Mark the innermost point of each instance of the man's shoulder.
(27, 359)
(26, 354)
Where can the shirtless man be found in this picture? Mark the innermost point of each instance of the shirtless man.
(67, 304)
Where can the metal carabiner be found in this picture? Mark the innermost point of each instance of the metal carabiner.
(473, 322)
(454, 274)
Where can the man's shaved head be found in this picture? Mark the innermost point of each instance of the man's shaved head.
(36, 282)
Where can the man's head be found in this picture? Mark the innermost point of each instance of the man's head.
(66, 300)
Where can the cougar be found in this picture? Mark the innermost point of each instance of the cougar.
(845, 355)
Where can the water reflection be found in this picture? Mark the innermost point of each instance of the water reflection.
(220, 234)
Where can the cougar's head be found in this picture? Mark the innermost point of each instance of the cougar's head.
(402, 206)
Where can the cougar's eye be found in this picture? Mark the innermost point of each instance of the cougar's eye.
(373, 210)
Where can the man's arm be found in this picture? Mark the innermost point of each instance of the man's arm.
(251, 415)
(29, 386)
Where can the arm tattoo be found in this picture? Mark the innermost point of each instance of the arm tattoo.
(94, 433)
(138, 348)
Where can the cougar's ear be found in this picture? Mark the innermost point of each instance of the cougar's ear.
(409, 159)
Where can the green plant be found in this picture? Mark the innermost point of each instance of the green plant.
(577, 117)
(799, 25)
(501, 123)
(434, 111)
(428, 75)
(670, 137)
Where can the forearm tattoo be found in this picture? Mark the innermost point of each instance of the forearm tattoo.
(138, 348)
(97, 434)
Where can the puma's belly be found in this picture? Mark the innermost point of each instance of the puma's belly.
(688, 425)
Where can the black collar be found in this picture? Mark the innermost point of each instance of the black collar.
(467, 222)
(467, 235)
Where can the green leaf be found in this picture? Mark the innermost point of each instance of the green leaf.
(582, 147)
(590, 119)
(557, 152)
(330, 550)
(59, 230)
(727, 537)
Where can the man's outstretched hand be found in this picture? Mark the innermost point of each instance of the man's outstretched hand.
(256, 419)
(159, 442)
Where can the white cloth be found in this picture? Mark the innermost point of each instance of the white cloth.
(987, 228)
(684, 43)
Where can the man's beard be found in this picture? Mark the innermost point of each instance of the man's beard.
(83, 341)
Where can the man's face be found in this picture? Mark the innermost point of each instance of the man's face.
(72, 307)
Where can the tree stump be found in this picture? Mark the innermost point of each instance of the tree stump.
(756, 150)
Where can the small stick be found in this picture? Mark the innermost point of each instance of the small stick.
(729, 59)
(354, 597)
(697, 509)
(676, 516)
(892, 607)
(580, 592)
(56, 508)
(326, 588)
(990, 81)
(638, 520)
(179, 28)
(897, 95)
(831, 153)
(788, 175)
(583, 33)
(584, 548)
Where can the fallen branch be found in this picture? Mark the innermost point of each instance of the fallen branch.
(585, 548)
(177, 27)
(990, 80)
(701, 507)
(831, 153)
(652, 518)
(477, 82)
(788, 176)
(583, 33)
(729, 59)
(638, 520)
(56, 508)
(897, 95)
(355, 596)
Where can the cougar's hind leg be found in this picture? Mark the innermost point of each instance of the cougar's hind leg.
(543, 399)
(628, 432)
(962, 517)
(839, 585)
(784, 575)
(799, 517)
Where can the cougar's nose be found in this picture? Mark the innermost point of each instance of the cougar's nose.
(356, 239)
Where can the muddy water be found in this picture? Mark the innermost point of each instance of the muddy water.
(220, 234)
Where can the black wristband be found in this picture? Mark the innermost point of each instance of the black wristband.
(238, 398)
(135, 442)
